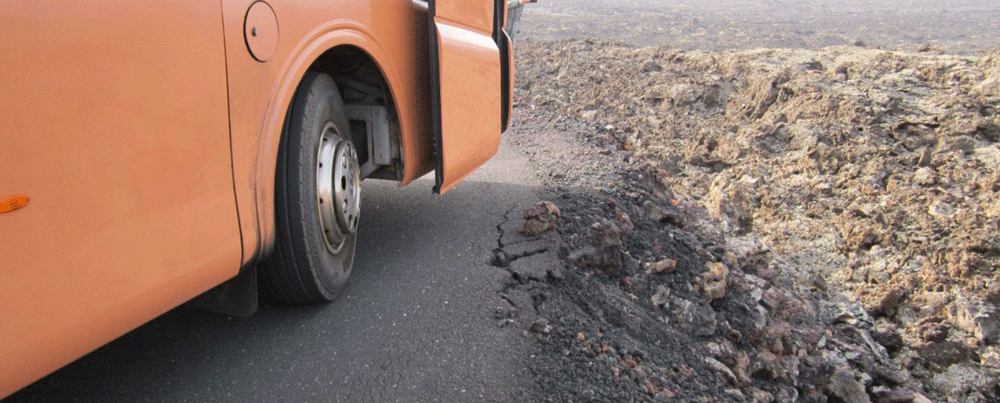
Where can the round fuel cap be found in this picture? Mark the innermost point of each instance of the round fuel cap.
(261, 31)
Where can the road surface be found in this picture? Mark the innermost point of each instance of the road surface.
(960, 26)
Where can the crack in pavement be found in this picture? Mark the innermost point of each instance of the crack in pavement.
(503, 257)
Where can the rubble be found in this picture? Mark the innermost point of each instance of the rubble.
(831, 214)
(539, 219)
(849, 390)
(662, 266)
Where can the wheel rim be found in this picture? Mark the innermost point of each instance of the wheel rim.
(338, 188)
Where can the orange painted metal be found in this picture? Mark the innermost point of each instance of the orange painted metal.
(470, 98)
(475, 15)
(147, 133)
(115, 122)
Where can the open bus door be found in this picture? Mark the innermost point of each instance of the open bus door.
(470, 84)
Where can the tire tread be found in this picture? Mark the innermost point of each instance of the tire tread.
(290, 271)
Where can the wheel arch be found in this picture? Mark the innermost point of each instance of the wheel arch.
(362, 84)
(308, 56)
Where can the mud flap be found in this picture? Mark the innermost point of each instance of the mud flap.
(235, 297)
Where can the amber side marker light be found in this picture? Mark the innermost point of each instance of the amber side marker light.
(13, 203)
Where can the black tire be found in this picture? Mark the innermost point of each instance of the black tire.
(303, 267)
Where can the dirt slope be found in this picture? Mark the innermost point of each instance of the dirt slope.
(830, 219)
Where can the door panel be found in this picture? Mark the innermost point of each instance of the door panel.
(115, 124)
(465, 87)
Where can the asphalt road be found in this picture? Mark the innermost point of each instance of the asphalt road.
(414, 325)
(958, 26)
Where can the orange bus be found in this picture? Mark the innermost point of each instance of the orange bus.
(154, 152)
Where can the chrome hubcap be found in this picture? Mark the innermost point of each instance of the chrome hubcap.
(338, 188)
